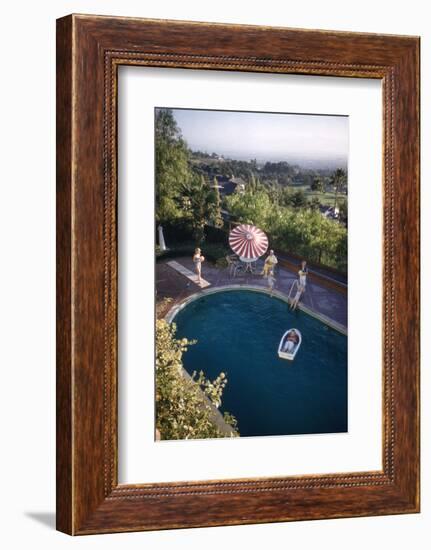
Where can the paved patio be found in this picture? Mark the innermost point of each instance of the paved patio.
(177, 287)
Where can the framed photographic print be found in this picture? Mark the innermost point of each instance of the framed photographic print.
(237, 274)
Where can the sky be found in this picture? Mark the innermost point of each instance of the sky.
(294, 138)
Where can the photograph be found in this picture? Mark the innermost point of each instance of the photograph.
(251, 273)
(212, 311)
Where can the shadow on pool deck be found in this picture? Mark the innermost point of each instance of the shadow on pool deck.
(171, 284)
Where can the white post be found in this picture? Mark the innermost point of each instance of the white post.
(162, 243)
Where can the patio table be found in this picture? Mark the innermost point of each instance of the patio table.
(250, 264)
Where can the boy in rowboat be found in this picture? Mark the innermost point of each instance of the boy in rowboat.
(291, 341)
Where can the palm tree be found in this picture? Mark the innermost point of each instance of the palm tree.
(338, 180)
(317, 185)
(218, 219)
(201, 206)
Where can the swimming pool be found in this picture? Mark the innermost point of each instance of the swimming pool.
(238, 332)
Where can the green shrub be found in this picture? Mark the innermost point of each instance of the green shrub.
(182, 249)
(302, 231)
(215, 252)
(221, 263)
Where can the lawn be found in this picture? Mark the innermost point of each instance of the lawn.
(327, 198)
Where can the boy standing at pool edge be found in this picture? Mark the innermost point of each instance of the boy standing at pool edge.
(303, 272)
(271, 281)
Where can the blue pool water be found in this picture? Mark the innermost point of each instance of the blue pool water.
(238, 332)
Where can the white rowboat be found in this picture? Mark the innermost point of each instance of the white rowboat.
(285, 350)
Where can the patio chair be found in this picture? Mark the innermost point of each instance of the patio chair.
(234, 265)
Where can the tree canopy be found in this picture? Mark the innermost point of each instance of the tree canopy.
(301, 230)
(172, 168)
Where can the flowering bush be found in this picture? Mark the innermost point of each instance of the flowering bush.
(186, 406)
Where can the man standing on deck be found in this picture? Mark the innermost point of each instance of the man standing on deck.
(270, 263)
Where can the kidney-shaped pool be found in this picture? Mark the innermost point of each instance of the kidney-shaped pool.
(238, 333)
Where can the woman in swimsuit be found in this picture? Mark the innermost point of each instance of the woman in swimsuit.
(197, 260)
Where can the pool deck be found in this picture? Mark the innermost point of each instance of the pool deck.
(171, 284)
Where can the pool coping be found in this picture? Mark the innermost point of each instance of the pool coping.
(172, 313)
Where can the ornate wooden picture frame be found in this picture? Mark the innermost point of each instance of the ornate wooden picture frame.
(89, 51)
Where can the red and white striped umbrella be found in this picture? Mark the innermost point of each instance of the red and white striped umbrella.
(248, 241)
